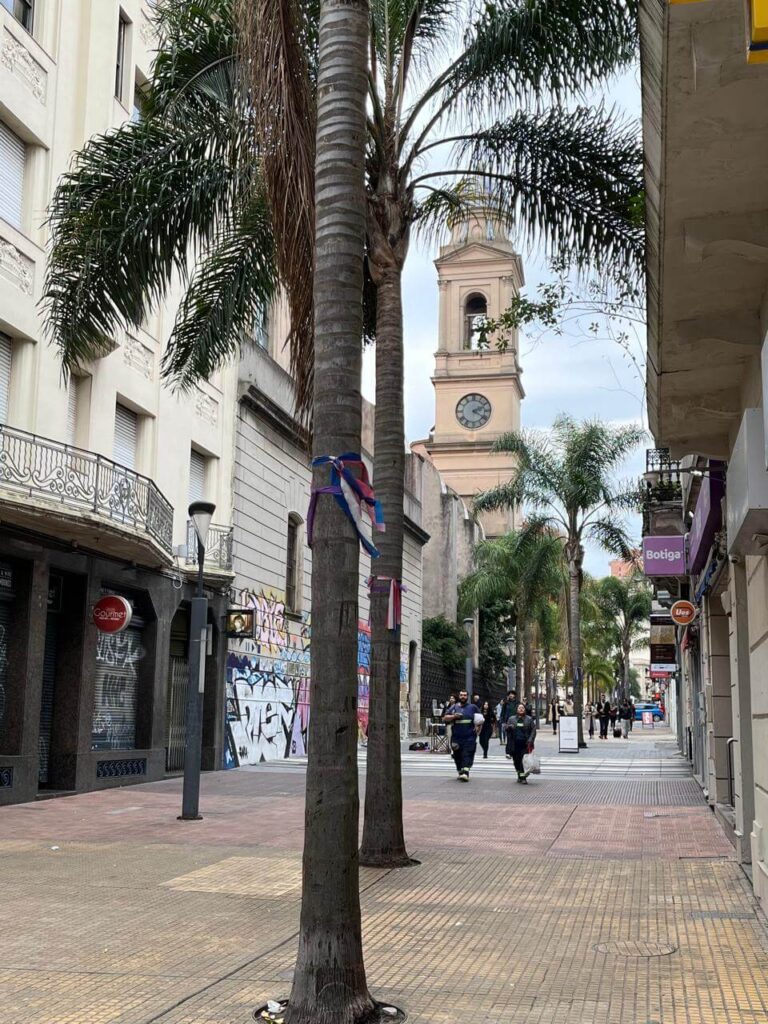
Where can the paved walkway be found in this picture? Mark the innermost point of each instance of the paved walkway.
(605, 899)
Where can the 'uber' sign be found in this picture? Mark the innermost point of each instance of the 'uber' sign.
(664, 556)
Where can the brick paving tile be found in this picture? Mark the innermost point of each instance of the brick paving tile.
(566, 902)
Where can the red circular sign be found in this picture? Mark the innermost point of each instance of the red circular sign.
(112, 614)
(682, 613)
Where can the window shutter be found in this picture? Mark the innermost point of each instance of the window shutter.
(12, 159)
(196, 476)
(6, 351)
(126, 436)
(72, 396)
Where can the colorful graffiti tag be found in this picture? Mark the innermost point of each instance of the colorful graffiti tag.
(267, 691)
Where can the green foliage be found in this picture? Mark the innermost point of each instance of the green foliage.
(495, 624)
(445, 639)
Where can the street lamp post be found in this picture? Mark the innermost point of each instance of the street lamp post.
(468, 665)
(510, 642)
(201, 513)
(536, 679)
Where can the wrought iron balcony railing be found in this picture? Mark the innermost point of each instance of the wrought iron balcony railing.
(218, 547)
(662, 485)
(81, 480)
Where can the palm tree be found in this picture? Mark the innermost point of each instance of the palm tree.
(626, 605)
(566, 478)
(524, 569)
(447, 134)
(329, 982)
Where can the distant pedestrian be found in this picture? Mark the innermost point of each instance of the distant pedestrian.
(570, 708)
(486, 729)
(604, 714)
(613, 714)
(461, 717)
(507, 712)
(476, 700)
(625, 717)
(554, 711)
(589, 718)
(521, 733)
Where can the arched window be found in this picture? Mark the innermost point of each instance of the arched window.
(293, 563)
(475, 313)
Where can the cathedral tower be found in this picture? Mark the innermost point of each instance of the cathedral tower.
(477, 388)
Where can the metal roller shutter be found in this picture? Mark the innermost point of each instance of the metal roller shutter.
(117, 683)
(6, 354)
(13, 154)
(126, 436)
(72, 396)
(5, 625)
(46, 698)
(196, 476)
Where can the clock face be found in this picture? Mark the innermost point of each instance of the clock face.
(473, 411)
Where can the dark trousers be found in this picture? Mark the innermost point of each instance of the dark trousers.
(604, 726)
(464, 753)
(518, 753)
(510, 750)
(485, 739)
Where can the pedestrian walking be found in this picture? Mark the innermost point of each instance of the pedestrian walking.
(452, 700)
(464, 729)
(486, 729)
(508, 711)
(589, 718)
(625, 717)
(521, 733)
(613, 714)
(554, 710)
(604, 714)
(570, 708)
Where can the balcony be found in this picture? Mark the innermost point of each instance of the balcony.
(218, 550)
(82, 497)
(663, 493)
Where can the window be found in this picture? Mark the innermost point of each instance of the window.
(6, 353)
(196, 476)
(122, 37)
(22, 10)
(292, 565)
(261, 330)
(126, 437)
(13, 156)
(73, 395)
(475, 313)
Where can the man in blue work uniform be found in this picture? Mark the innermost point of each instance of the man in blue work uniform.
(461, 718)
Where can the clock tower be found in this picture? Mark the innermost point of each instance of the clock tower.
(477, 388)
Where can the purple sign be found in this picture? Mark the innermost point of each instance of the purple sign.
(664, 556)
(707, 520)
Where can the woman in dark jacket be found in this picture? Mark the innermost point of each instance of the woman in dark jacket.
(521, 734)
(604, 714)
(486, 731)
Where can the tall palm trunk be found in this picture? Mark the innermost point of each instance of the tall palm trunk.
(528, 660)
(519, 662)
(575, 557)
(383, 842)
(626, 681)
(329, 982)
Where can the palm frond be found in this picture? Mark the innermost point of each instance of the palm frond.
(612, 535)
(230, 291)
(131, 213)
(518, 50)
(278, 40)
(569, 179)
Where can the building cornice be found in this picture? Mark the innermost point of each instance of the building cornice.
(281, 421)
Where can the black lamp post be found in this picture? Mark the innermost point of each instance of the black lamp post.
(201, 513)
(469, 625)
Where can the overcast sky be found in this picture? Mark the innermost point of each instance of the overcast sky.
(582, 376)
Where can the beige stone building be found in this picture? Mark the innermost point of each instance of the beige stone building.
(478, 390)
(705, 119)
(95, 474)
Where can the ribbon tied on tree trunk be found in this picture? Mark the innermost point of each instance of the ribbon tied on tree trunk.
(353, 495)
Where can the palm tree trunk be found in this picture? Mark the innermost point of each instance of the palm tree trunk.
(528, 652)
(383, 842)
(519, 660)
(574, 637)
(329, 984)
(626, 679)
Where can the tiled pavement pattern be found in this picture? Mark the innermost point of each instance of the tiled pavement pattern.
(524, 909)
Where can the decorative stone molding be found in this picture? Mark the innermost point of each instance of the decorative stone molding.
(16, 267)
(138, 356)
(20, 62)
(207, 408)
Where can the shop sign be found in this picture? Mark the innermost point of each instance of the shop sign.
(112, 614)
(240, 622)
(662, 633)
(663, 652)
(682, 613)
(647, 718)
(707, 519)
(664, 556)
(665, 667)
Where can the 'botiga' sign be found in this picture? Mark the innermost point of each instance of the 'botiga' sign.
(112, 614)
(664, 556)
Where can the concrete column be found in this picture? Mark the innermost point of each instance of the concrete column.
(741, 708)
(719, 719)
(757, 607)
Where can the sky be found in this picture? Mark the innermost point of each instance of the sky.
(583, 376)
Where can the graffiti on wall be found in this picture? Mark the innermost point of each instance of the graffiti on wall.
(267, 687)
(117, 680)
